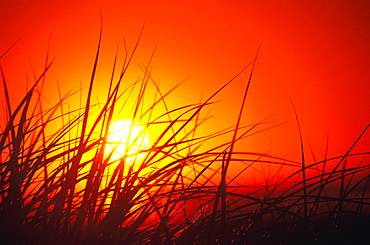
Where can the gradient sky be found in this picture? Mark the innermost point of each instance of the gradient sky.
(314, 53)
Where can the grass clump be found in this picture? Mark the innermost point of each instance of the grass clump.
(63, 188)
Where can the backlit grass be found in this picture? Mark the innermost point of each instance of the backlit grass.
(60, 185)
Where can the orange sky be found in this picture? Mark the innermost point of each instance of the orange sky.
(315, 53)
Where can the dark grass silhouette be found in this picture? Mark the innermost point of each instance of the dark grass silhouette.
(60, 186)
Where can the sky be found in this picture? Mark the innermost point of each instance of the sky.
(313, 54)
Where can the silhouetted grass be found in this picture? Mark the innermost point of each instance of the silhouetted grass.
(60, 186)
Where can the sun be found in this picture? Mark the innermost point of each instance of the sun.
(126, 140)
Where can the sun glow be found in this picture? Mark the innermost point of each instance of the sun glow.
(126, 140)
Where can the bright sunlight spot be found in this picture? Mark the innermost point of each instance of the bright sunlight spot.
(126, 139)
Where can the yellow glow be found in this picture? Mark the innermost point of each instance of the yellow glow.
(126, 138)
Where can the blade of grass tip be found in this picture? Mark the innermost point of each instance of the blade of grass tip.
(112, 97)
(330, 177)
(235, 133)
(10, 125)
(13, 115)
(192, 150)
(348, 190)
(194, 113)
(82, 145)
(345, 191)
(91, 85)
(140, 98)
(18, 144)
(126, 64)
(13, 201)
(23, 130)
(10, 48)
(313, 157)
(237, 125)
(323, 169)
(40, 104)
(126, 51)
(72, 177)
(161, 99)
(113, 72)
(218, 154)
(341, 160)
(305, 204)
(162, 96)
(316, 203)
(45, 151)
(109, 105)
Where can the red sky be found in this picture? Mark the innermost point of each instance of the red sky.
(315, 53)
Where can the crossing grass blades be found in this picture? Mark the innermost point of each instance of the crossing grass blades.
(58, 186)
